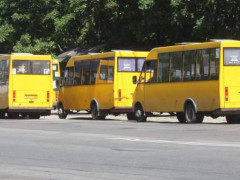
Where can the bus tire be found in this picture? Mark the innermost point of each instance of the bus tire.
(96, 114)
(139, 113)
(13, 115)
(2, 114)
(233, 119)
(131, 116)
(181, 117)
(34, 116)
(62, 114)
(191, 116)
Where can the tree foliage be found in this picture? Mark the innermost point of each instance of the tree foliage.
(53, 26)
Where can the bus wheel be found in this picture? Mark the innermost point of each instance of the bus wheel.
(181, 117)
(34, 116)
(2, 114)
(191, 116)
(62, 114)
(95, 113)
(131, 116)
(139, 113)
(13, 115)
(233, 119)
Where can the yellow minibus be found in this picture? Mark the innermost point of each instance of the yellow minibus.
(100, 83)
(192, 81)
(25, 85)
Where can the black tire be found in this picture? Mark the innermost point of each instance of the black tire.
(191, 116)
(2, 114)
(96, 114)
(233, 119)
(131, 116)
(34, 116)
(139, 113)
(181, 117)
(13, 115)
(62, 114)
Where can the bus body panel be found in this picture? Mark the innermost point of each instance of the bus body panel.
(30, 93)
(80, 97)
(126, 89)
(170, 97)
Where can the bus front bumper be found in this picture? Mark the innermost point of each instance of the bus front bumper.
(39, 110)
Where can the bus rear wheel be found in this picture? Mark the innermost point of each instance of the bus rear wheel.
(2, 114)
(181, 117)
(139, 113)
(191, 116)
(233, 119)
(62, 114)
(95, 113)
(13, 115)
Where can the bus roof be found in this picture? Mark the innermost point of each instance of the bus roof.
(107, 55)
(188, 46)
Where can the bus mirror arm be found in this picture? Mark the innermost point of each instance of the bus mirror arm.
(134, 80)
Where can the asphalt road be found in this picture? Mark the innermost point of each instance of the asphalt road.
(80, 148)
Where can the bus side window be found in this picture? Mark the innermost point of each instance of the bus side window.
(110, 73)
(176, 67)
(151, 71)
(78, 73)
(163, 67)
(94, 69)
(103, 72)
(203, 64)
(189, 65)
(86, 72)
(214, 64)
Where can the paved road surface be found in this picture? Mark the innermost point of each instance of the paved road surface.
(80, 148)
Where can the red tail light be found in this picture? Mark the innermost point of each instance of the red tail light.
(119, 94)
(14, 96)
(56, 96)
(226, 93)
(47, 96)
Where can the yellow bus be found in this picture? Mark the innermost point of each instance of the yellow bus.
(25, 85)
(191, 81)
(100, 83)
(56, 82)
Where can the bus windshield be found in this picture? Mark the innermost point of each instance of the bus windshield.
(130, 64)
(231, 56)
(31, 67)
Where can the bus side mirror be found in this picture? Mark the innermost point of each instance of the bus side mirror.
(134, 79)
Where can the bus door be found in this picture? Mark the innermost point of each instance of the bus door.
(150, 89)
(231, 77)
(127, 68)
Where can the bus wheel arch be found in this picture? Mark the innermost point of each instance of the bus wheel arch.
(191, 112)
(62, 113)
(139, 112)
(95, 111)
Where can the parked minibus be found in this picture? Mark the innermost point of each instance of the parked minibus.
(100, 83)
(191, 81)
(25, 85)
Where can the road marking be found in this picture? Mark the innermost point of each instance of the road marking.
(190, 143)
